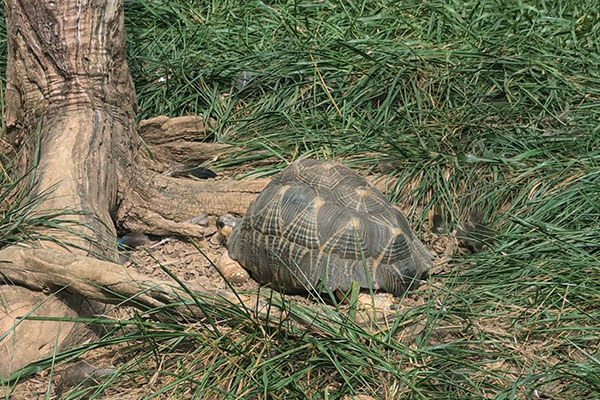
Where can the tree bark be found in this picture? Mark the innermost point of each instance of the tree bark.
(70, 121)
(70, 117)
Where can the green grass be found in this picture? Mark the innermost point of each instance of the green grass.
(480, 105)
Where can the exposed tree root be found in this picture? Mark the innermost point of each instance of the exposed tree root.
(80, 281)
(163, 206)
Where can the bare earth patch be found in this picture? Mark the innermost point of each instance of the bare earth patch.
(193, 261)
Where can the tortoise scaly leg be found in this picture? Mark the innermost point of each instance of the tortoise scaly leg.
(233, 272)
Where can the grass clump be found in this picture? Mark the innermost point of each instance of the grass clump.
(484, 106)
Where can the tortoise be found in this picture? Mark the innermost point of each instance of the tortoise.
(320, 226)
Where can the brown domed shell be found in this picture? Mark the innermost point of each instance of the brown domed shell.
(318, 225)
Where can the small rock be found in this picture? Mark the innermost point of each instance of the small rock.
(201, 220)
(81, 375)
(379, 301)
(134, 239)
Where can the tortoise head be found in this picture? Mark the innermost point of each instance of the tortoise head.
(226, 223)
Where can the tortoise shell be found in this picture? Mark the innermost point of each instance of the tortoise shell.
(318, 225)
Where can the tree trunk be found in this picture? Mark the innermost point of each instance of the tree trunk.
(70, 105)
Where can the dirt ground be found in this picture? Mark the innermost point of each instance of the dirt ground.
(192, 265)
(189, 264)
